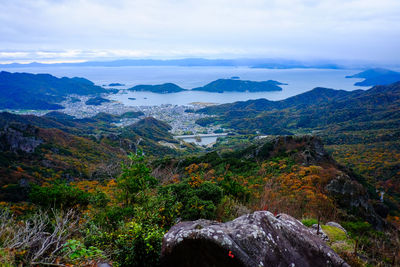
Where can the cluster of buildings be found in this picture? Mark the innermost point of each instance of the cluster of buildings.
(177, 116)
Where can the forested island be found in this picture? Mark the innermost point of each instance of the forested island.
(165, 88)
(236, 85)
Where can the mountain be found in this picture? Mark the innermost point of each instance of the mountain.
(318, 107)
(269, 63)
(159, 88)
(151, 128)
(361, 127)
(316, 95)
(44, 90)
(235, 85)
(376, 77)
(33, 148)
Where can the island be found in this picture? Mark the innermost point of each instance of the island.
(376, 77)
(131, 98)
(236, 85)
(165, 88)
(116, 84)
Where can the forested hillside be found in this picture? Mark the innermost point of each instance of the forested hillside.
(44, 90)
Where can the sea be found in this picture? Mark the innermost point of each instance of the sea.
(297, 80)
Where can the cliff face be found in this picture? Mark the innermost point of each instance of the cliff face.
(258, 239)
(349, 194)
(19, 137)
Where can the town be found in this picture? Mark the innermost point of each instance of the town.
(181, 121)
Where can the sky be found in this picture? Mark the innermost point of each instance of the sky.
(81, 30)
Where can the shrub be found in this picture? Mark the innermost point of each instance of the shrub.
(110, 217)
(358, 228)
(59, 195)
(197, 208)
(37, 239)
(138, 244)
(233, 188)
(198, 202)
(209, 191)
(78, 252)
(135, 179)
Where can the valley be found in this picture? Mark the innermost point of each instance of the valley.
(320, 156)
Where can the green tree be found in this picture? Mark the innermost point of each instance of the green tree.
(135, 179)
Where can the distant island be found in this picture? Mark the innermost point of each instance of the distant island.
(269, 63)
(288, 64)
(165, 88)
(376, 77)
(235, 85)
(116, 84)
(41, 91)
(96, 101)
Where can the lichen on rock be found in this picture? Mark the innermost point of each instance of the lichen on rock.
(257, 239)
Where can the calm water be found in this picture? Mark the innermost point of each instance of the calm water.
(204, 140)
(298, 80)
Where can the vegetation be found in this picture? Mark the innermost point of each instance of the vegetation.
(123, 219)
(96, 101)
(227, 85)
(44, 90)
(360, 129)
(82, 191)
(160, 88)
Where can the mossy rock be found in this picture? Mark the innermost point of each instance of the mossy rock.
(335, 234)
(339, 241)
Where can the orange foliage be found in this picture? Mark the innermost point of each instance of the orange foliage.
(298, 192)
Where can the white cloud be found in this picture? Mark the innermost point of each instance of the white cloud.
(72, 29)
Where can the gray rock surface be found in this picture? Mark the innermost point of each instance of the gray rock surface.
(19, 138)
(320, 233)
(257, 239)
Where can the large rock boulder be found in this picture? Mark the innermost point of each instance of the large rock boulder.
(319, 232)
(257, 239)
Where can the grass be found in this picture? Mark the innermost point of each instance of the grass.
(309, 222)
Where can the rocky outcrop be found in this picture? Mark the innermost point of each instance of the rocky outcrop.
(19, 137)
(352, 195)
(306, 150)
(257, 239)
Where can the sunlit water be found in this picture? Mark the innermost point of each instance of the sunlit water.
(298, 80)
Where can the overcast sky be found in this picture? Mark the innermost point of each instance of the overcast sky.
(72, 30)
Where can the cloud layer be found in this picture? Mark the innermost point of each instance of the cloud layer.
(71, 30)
